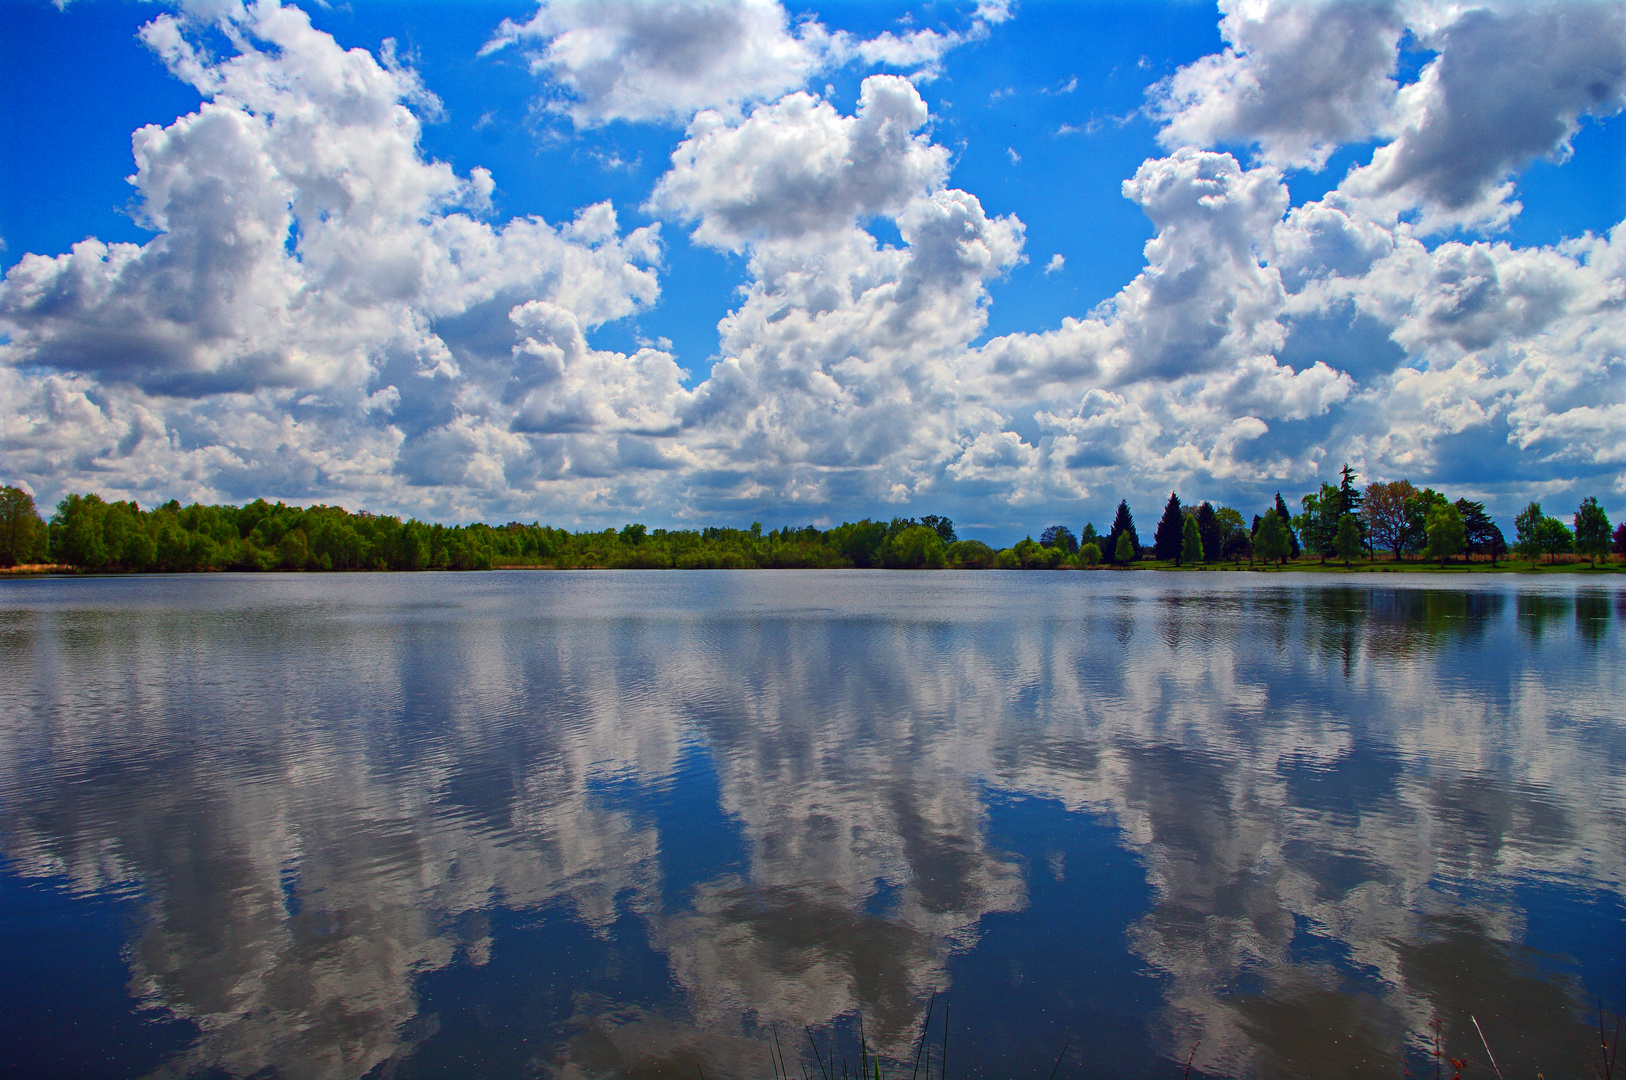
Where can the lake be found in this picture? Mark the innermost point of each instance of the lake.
(639, 823)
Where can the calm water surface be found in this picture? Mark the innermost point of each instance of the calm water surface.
(601, 824)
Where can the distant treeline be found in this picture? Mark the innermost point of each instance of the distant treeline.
(1337, 522)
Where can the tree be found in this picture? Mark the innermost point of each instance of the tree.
(1059, 536)
(942, 526)
(1090, 554)
(915, 548)
(1238, 546)
(1208, 528)
(22, 532)
(1166, 541)
(1124, 553)
(1271, 539)
(1446, 536)
(1591, 530)
(1552, 539)
(1349, 496)
(1385, 514)
(1287, 525)
(1418, 507)
(1346, 542)
(1123, 524)
(1484, 535)
(1525, 525)
(1319, 523)
(1089, 536)
(1620, 539)
(1191, 542)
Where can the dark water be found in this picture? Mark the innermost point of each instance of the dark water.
(595, 824)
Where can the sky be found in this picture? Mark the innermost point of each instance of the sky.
(715, 261)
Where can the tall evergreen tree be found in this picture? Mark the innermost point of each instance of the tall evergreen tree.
(1122, 525)
(1349, 496)
(1208, 527)
(1166, 541)
(1287, 524)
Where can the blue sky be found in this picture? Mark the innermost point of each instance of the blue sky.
(722, 261)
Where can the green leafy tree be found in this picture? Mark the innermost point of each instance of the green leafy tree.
(1090, 554)
(1592, 530)
(1271, 539)
(1446, 536)
(1553, 539)
(1318, 525)
(1525, 525)
(1166, 540)
(1418, 508)
(1059, 536)
(1346, 543)
(22, 531)
(916, 548)
(76, 532)
(1384, 514)
(1191, 542)
(971, 555)
(1125, 551)
(1618, 540)
(940, 525)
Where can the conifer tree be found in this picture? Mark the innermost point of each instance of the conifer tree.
(1191, 542)
(1166, 541)
(1122, 525)
(1287, 526)
(1208, 527)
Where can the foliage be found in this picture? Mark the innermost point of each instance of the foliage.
(1166, 540)
(1191, 542)
(1384, 514)
(1124, 553)
(1346, 543)
(1446, 536)
(1318, 525)
(1059, 536)
(22, 532)
(1208, 529)
(1553, 538)
(1287, 525)
(1123, 525)
(1271, 540)
(1484, 536)
(88, 532)
(1591, 530)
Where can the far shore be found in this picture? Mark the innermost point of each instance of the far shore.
(1571, 565)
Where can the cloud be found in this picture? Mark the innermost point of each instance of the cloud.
(798, 167)
(326, 313)
(1510, 85)
(1295, 79)
(308, 258)
(663, 62)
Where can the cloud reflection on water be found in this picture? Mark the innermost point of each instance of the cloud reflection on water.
(323, 790)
